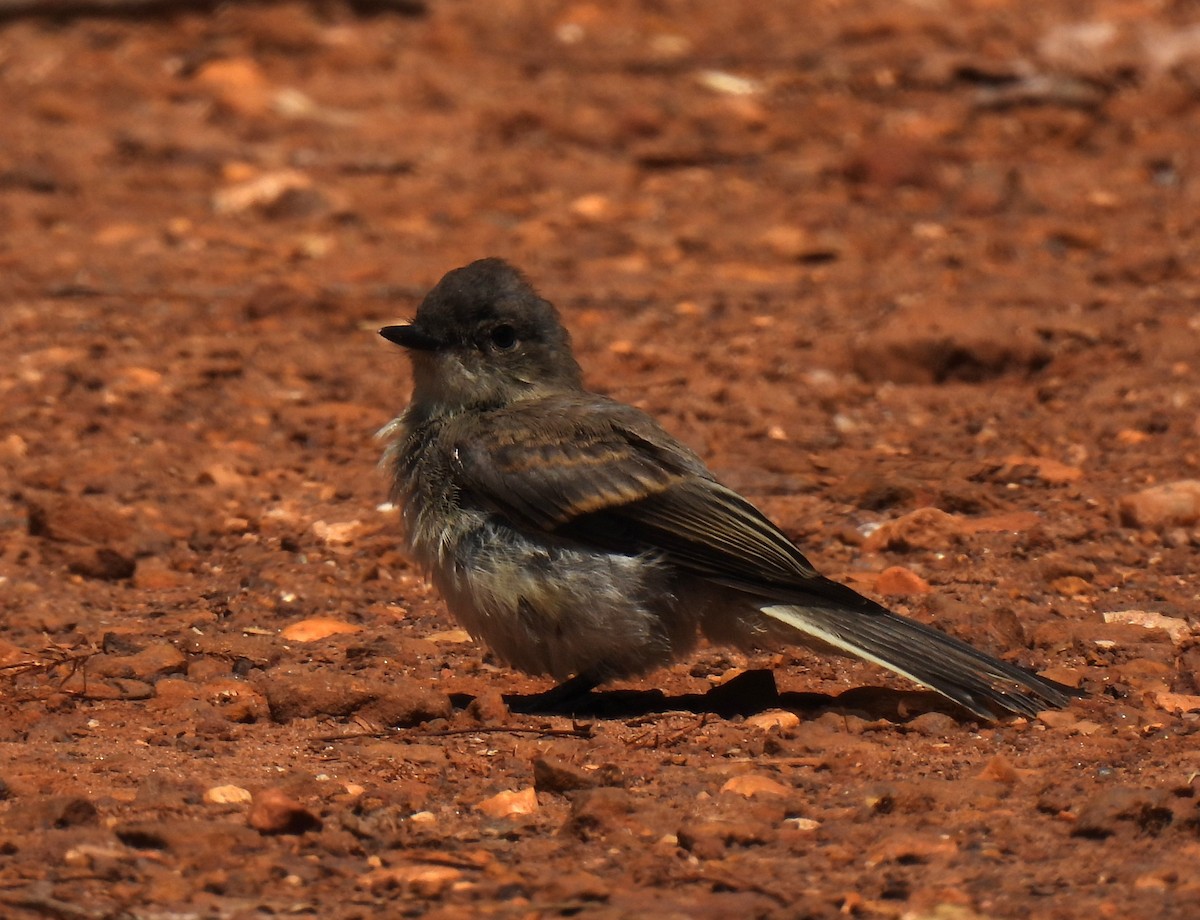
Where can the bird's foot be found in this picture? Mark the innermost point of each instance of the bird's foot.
(563, 700)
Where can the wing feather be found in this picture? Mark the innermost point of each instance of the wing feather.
(607, 475)
(549, 462)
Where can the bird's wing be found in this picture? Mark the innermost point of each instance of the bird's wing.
(606, 475)
(547, 463)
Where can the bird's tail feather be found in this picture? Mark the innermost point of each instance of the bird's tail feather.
(980, 683)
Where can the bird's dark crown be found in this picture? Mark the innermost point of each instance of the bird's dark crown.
(475, 299)
(500, 340)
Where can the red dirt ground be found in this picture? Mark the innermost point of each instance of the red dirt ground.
(919, 278)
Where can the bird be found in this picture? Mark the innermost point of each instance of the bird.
(576, 538)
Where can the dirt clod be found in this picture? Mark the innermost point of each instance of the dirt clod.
(297, 693)
(1140, 811)
(273, 811)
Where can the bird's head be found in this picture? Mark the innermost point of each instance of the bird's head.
(483, 336)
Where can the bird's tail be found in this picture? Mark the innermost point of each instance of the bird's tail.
(986, 686)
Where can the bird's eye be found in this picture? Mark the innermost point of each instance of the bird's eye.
(503, 337)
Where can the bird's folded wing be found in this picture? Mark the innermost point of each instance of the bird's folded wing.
(711, 529)
(551, 463)
(625, 485)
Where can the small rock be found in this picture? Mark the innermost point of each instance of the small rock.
(773, 719)
(315, 628)
(910, 848)
(1159, 881)
(238, 84)
(340, 533)
(987, 189)
(933, 725)
(117, 234)
(1056, 565)
(297, 693)
(47, 812)
(510, 803)
(721, 81)
(596, 813)
(578, 886)
(1072, 677)
(593, 207)
(14, 447)
(703, 839)
(892, 161)
(1172, 504)
(1091, 49)
(708, 838)
(173, 692)
(83, 521)
(1000, 770)
(227, 795)
(1174, 627)
(221, 475)
(899, 797)
(205, 841)
(1060, 720)
(897, 581)
(273, 811)
(270, 193)
(205, 668)
(451, 637)
(803, 825)
(95, 857)
(1142, 810)
(553, 774)
(1124, 635)
(1177, 702)
(622, 347)
(155, 575)
(109, 688)
(1060, 633)
(156, 660)
(1132, 436)
(236, 700)
(925, 528)
(397, 752)
(797, 244)
(1072, 586)
(1143, 673)
(100, 562)
(422, 881)
(1046, 469)
(403, 705)
(750, 784)
(489, 708)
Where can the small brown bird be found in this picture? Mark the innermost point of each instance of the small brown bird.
(578, 539)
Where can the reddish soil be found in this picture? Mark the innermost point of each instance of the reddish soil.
(921, 279)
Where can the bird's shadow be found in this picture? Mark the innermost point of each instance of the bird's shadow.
(747, 694)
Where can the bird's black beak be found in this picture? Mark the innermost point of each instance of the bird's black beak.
(410, 337)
